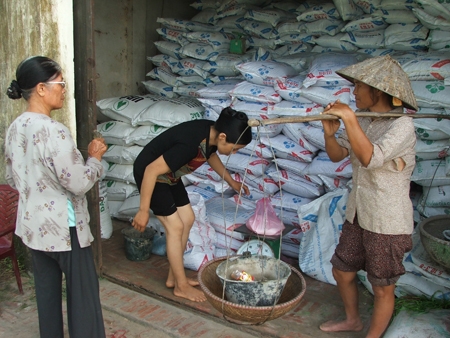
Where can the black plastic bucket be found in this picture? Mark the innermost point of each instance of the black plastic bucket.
(138, 245)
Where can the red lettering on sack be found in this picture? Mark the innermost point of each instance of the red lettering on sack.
(281, 85)
(343, 165)
(284, 173)
(437, 76)
(270, 180)
(343, 90)
(441, 63)
(305, 226)
(260, 161)
(173, 33)
(296, 225)
(188, 64)
(320, 16)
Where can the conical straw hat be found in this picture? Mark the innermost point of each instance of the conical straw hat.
(383, 73)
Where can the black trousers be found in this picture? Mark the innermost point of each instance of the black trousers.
(84, 312)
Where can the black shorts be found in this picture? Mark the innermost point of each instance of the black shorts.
(166, 198)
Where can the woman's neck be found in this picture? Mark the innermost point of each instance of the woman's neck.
(212, 136)
(38, 108)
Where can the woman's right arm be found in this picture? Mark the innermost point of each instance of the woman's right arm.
(151, 173)
(334, 150)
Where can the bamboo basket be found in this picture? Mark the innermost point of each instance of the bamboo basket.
(293, 292)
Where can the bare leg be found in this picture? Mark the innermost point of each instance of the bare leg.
(383, 308)
(348, 289)
(187, 217)
(174, 236)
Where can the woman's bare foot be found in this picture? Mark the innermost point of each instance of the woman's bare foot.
(334, 326)
(189, 292)
(191, 281)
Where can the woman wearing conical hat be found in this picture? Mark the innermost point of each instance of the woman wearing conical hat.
(379, 214)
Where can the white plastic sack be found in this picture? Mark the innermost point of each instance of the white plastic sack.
(322, 165)
(284, 147)
(247, 91)
(169, 48)
(119, 191)
(124, 108)
(292, 131)
(144, 134)
(202, 51)
(286, 200)
(431, 149)
(324, 26)
(366, 23)
(335, 42)
(327, 92)
(298, 168)
(430, 173)
(168, 112)
(323, 70)
(242, 163)
(225, 216)
(106, 228)
(296, 185)
(430, 21)
(219, 91)
(116, 132)
(159, 87)
(433, 94)
(118, 172)
(202, 236)
(292, 108)
(265, 73)
(258, 149)
(321, 221)
(373, 39)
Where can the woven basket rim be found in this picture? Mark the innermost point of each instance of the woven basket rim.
(247, 307)
(427, 234)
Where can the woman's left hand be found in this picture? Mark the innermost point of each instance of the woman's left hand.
(96, 148)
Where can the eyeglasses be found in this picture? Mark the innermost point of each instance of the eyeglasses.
(62, 83)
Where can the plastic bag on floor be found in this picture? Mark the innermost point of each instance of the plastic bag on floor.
(417, 325)
(321, 221)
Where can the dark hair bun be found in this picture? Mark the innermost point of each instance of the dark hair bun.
(235, 114)
(14, 92)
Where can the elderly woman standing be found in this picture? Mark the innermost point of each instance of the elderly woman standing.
(45, 166)
(379, 215)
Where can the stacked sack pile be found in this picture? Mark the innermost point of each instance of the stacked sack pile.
(287, 68)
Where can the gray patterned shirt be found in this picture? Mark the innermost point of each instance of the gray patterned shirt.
(380, 193)
(45, 166)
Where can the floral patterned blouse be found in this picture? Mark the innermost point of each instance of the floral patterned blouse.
(380, 192)
(45, 166)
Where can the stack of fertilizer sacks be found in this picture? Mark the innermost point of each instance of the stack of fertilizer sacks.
(290, 52)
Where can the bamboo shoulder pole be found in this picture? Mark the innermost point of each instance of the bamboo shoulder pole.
(299, 119)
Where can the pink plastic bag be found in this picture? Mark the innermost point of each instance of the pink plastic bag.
(265, 221)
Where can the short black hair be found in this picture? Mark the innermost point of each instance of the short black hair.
(234, 124)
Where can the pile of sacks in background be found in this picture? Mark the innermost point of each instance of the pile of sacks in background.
(290, 74)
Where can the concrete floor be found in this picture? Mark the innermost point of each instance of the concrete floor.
(320, 302)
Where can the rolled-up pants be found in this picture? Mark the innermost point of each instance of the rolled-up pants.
(84, 312)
